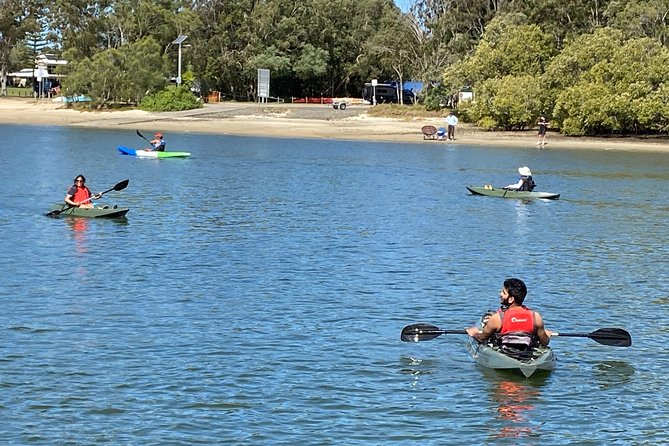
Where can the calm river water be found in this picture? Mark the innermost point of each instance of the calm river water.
(256, 293)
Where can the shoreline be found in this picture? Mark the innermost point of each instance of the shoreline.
(298, 121)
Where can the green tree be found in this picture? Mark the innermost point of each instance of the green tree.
(396, 45)
(123, 75)
(17, 19)
(512, 102)
(640, 18)
(622, 92)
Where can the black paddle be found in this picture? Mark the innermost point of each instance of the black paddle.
(117, 187)
(616, 337)
(142, 136)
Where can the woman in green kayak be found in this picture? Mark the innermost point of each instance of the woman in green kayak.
(78, 195)
(516, 326)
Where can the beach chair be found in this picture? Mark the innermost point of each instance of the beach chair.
(429, 132)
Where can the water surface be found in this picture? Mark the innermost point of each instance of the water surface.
(256, 292)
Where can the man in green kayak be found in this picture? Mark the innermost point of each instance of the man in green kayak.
(513, 326)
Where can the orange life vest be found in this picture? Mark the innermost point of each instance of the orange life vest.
(81, 195)
(517, 334)
(517, 319)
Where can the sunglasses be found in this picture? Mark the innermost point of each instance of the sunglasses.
(78, 181)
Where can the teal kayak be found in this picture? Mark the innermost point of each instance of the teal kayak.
(490, 191)
(488, 355)
(143, 153)
(95, 212)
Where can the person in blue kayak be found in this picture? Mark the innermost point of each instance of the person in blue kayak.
(525, 182)
(78, 195)
(158, 142)
(513, 327)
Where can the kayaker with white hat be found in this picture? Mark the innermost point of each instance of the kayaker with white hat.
(525, 182)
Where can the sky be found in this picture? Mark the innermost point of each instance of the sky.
(404, 4)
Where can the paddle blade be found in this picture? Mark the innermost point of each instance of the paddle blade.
(420, 332)
(141, 136)
(56, 212)
(616, 337)
(121, 185)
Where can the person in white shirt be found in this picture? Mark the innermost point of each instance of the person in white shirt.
(451, 121)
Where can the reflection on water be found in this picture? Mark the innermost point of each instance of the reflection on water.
(79, 226)
(613, 373)
(515, 399)
(415, 366)
(256, 292)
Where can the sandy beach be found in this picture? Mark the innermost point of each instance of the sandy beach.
(296, 121)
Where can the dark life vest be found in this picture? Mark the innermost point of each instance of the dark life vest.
(528, 183)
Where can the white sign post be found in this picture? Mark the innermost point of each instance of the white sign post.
(263, 84)
(374, 84)
(41, 73)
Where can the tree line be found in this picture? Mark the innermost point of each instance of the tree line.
(590, 66)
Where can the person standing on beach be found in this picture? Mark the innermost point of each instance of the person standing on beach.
(543, 126)
(451, 121)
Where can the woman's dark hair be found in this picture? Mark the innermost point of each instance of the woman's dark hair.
(517, 289)
(79, 176)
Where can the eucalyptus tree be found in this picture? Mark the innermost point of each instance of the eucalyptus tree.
(343, 29)
(116, 75)
(17, 19)
(640, 18)
(311, 46)
(223, 44)
(563, 19)
(397, 45)
(131, 20)
(80, 24)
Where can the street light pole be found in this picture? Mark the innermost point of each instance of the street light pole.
(179, 72)
(179, 40)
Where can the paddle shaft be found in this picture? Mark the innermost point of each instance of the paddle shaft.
(142, 136)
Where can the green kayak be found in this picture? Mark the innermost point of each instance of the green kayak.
(95, 212)
(491, 191)
(488, 355)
